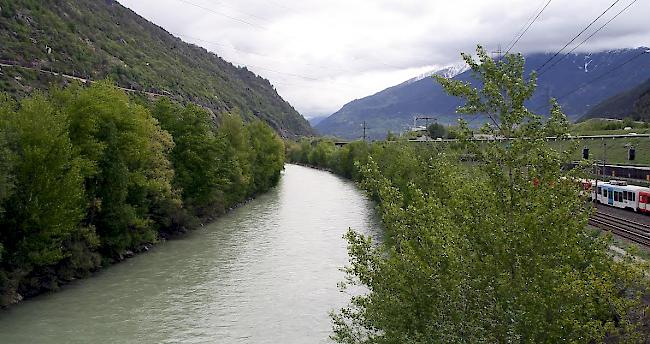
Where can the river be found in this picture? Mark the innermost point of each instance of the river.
(267, 272)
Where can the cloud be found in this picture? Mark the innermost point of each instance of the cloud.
(322, 54)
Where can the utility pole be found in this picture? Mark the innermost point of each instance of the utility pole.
(604, 157)
(498, 52)
(364, 130)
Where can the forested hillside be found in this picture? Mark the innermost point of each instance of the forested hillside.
(633, 103)
(89, 176)
(102, 39)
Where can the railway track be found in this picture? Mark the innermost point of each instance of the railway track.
(631, 230)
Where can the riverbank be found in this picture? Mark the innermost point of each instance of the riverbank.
(265, 272)
(90, 176)
(107, 262)
(479, 237)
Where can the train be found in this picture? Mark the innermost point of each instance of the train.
(619, 194)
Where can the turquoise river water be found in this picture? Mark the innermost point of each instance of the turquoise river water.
(267, 272)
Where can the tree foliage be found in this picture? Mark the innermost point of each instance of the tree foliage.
(481, 252)
(437, 130)
(265, 161)
(126, 152)
(88, 173)
(197, 156)
(47, 204)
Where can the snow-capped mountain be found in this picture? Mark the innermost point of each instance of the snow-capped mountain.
(449, 71)
(579, 82)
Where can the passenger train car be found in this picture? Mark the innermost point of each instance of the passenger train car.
(619, 194)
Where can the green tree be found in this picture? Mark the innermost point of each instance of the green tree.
(198, 156)
(436, 130)
(322, 154)
(238, 156)
(47, 172)
(127, 171)
(268, 155)
(6, 157)
(480, 253)
(353, 154)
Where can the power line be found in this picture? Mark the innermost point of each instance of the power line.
(605, 74)
(589, 37)
(223, 15)
(576, 36)
(647, 51)
(301, 76)
(528, 27)
(234, 8)
(230, 46)
(600, 76)
(524, 26)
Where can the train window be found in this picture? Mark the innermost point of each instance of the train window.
(626, 195)
(599, 192)
(633, 196)
(604, 192)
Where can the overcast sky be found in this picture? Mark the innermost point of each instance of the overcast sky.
(323, 54)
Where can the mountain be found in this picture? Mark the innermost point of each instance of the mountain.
(97, 39)
(633, 103)
(316, 119)
(447, 72)
(394, 108)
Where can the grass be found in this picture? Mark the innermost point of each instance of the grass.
(613, 151)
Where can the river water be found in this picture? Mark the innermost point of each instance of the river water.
(266, 272)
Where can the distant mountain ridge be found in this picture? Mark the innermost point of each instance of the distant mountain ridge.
(316, 119)
(633, 103)
(447, 72)
(394, 108)
(97, 39)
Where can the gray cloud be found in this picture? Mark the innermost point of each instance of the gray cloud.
(322, 54)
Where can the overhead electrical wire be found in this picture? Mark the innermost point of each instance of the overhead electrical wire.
(576, 36)
(305, 77)
(229, 46)
(525, 24)
(619, 66)
(237, 10)
(512, 43)
(527, 27)
(588, 37)
(644, 52)
(259, 27)
(223, 15)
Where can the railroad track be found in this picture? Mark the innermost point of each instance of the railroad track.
(631, 230)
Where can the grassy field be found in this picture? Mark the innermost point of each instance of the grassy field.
(612, 150)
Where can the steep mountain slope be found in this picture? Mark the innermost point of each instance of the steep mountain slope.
(394, 108)
(633, 103)
(96, 39)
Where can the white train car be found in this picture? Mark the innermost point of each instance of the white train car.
(620, 195)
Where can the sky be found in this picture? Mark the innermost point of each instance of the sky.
(321, 54)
